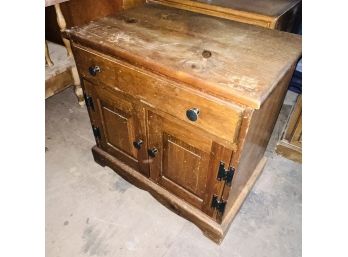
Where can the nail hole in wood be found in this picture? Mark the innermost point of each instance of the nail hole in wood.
(206, 54)
(130, 20)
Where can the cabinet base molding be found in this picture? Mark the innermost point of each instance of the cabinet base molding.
(209, 227)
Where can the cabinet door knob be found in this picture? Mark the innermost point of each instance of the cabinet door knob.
(93, 70)
(137, 144)
(192, 114)
(153, 152)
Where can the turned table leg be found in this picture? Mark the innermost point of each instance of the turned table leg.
(77, 82)
(62, 26)
(47, 56)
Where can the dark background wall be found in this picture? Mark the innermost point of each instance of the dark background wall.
(78, 12)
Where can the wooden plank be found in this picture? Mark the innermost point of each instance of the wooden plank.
(236, 61)
(295, 119)
(296, 137)
(58, 83)
(289, 151)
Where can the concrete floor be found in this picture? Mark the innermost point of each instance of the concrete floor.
(91, 211)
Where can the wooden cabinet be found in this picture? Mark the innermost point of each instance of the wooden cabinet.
(183, 105)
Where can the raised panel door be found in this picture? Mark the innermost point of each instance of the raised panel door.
(184, 162)
(121, 125)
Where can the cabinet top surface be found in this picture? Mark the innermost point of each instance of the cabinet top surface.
(271, 8)
(236, 61)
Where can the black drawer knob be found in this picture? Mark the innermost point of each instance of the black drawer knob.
(192, 114)
(153, 152)
(93, 70)
(137, 144)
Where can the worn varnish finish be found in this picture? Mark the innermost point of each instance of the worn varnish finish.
(274, 14)
(80, 12)
(131, 79)
(172, 42)
(144, 78)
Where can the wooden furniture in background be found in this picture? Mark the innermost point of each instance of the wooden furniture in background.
(274, 14)
(61, 73)
(290, 145)
(79, 12)
(183, 105)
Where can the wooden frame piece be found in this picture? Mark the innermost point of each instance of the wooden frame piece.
(290, 145)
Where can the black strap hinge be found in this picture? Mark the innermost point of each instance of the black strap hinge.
(217, 204)
(96, 132)
(89, 101)
(226, 175)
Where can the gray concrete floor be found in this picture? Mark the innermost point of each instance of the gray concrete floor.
(91, 211)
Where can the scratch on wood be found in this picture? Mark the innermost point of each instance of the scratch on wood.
(120, 36)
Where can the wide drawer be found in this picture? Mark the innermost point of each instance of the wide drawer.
(215, 116)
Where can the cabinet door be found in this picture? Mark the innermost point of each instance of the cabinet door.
(121, 127)
(184, 162)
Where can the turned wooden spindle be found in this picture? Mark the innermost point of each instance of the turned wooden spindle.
(77, 83)
(47, 56)
(62, 27)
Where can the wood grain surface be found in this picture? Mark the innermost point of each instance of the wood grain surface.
(264, 13)
(217, 117)
(236, 61)
(272, 8)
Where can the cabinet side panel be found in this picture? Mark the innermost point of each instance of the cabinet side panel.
(258, 133)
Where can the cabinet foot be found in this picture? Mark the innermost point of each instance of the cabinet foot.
(79, 95)
(97, 157)
(78, 88)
